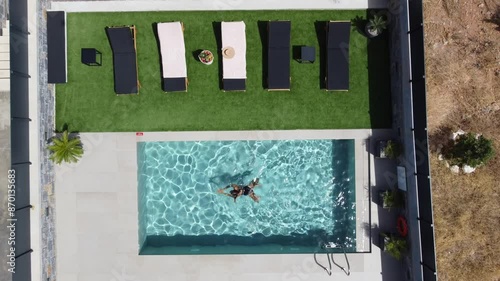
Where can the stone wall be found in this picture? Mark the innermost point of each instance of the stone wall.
(4, 12)
(5, 161)
(46, 117)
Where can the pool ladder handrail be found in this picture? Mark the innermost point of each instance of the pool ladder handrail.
(331, 245)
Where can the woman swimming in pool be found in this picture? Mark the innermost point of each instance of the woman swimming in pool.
(239, 190)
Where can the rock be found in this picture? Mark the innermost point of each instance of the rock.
(446, 164)
(455, 169)
(468, 169)
(440, 157)
(439, 149)
(456, 134)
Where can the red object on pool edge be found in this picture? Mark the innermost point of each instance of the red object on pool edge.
(139, 134)
(402, 226)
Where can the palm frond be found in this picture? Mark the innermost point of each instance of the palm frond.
(378, 23)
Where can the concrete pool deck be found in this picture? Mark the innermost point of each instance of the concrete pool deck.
(97, 227)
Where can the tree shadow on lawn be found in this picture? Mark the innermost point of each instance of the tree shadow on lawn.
(196, 53)
(262, 25)
(379, 84)
(218, 38)
(296, 52)
(320, 27)
(154, 26)
(359, 24)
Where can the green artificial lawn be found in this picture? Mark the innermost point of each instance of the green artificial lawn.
(87, 103)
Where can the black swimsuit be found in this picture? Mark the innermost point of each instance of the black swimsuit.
(247, 190)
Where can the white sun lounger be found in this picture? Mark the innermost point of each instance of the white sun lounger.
(173, 56)
(234, 48)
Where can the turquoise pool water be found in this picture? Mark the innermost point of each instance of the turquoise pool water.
(306, 196)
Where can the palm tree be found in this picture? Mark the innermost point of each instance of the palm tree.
(66, 149)
(376, 25)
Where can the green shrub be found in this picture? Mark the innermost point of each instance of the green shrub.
(470, 150)
(393, 149)
(392, 199)
(394, 246)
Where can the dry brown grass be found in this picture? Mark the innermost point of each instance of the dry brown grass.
(463, 76)
(463, 54)
(467, 217)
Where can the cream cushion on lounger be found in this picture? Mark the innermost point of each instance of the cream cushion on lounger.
(173, 51)
(234, 65)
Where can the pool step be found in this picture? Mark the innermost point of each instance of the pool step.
(4, 64)
(5, 40)
(4, 56)
(4, 84)
(4, 73)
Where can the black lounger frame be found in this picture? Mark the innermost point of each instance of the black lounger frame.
(175, 84)
(234, 84)
(337, 55)
(278, 55)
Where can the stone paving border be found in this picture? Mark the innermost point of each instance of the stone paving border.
(4, 12)
(4, 167)
(204, 5)
(42, 113)
(254, 135)
(5, 163)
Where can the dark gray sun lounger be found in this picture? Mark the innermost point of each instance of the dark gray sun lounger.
(337, 55)
(278, 55)
(122, 41)
(56, 47)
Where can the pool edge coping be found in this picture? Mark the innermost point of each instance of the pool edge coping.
(253, 135)
(361, 155)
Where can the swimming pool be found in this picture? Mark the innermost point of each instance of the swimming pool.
(307, 196)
